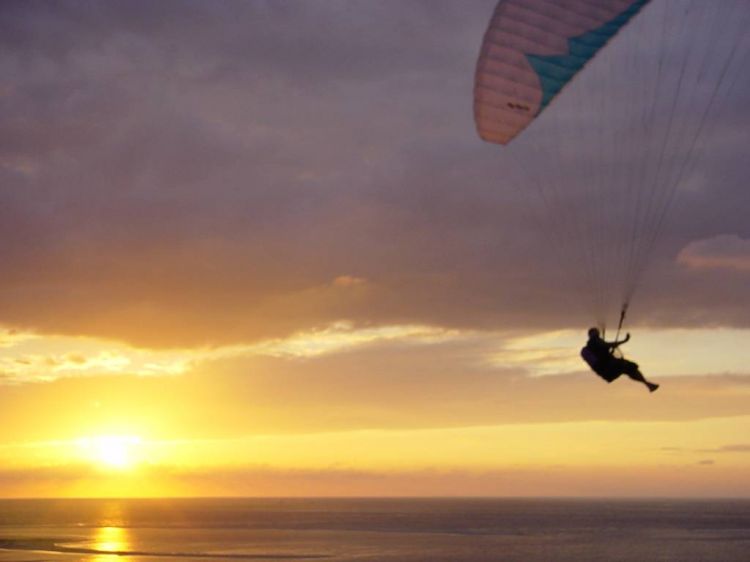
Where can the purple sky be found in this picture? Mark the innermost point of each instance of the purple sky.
(176, 173)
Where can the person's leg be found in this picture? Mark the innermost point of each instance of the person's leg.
(631, 369)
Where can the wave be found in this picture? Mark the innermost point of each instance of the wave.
(52, 545)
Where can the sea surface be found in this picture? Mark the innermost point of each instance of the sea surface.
(409, 530)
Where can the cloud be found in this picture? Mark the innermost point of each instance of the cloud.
(29, 357)
(11, 337)
(737, 448)
(722, 252)
(348, 281)
(268, 481)
(35, 358)
(744, 448)
(342, 336)
(183, 174)
(505, 482)
(385, 384)
(38, 358)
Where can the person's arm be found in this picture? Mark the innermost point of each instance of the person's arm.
(616, 344)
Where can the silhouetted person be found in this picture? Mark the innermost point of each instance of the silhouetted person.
(598, 354)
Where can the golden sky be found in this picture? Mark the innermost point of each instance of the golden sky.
(241, 264)
(392, 411)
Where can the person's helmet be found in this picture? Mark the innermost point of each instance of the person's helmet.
(593, 332)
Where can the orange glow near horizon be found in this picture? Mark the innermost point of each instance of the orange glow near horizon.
(332, 413)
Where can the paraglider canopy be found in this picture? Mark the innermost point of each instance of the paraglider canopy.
(531, 50)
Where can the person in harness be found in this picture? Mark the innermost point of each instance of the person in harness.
(599, 356)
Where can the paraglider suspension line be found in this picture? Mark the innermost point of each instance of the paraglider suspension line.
(623, 312)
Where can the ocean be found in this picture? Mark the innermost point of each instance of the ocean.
(408, 530)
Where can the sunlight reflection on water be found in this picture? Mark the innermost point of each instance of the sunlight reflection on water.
(111, 540)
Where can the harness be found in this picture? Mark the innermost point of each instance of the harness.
(604, 370)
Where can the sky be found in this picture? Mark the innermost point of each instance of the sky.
(258, 249)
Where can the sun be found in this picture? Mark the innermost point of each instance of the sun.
(111, 451)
